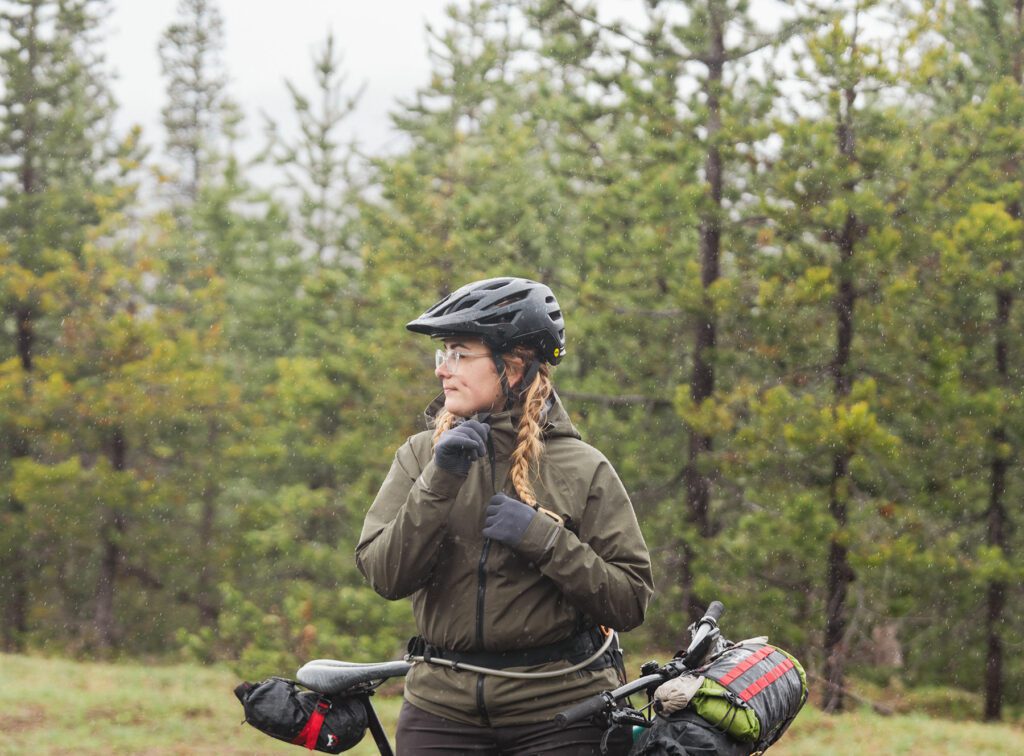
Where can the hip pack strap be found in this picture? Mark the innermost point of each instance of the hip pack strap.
(573, 649)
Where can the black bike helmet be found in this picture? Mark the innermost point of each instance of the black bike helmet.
(504, 313)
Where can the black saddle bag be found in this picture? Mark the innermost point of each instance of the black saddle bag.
(281, 709)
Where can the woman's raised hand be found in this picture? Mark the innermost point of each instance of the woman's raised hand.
(507, 519)
(459, 447)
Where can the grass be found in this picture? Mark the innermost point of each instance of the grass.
(55, 706)
(865, 732)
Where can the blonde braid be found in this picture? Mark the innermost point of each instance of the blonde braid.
(529, 446)
(445, 420)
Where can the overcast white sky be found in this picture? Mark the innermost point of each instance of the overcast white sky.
(384, 44)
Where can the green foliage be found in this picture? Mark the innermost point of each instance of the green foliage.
(198, 401)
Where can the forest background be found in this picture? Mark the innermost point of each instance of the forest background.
(787, 238)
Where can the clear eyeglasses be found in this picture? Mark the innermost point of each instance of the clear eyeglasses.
(450, 359)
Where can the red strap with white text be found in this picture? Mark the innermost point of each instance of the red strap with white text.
(311, 731)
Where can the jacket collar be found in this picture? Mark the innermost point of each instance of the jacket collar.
(504, 424)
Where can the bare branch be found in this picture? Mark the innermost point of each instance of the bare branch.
(616, 30)
(655, 314)
(621, 400)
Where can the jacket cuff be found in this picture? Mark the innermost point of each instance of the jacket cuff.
(539, 538)
(441, 483)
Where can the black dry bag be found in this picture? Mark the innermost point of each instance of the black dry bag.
(280, 709)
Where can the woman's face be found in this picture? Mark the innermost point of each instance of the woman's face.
(471, 382)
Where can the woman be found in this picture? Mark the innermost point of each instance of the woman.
(516, 540)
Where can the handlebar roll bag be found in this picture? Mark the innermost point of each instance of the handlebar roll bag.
(751, 693)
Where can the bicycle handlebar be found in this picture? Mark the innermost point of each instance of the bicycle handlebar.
(584, 709)
(714, 612)
(702, 636)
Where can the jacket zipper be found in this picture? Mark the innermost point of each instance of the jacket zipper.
(481, 588)
(481, 568)
(480, 705)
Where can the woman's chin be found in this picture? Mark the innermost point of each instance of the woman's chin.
(455, 407)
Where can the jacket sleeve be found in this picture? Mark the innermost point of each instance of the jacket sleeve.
(605, 572)
(402, 531)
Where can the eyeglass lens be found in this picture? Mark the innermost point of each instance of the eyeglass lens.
(448, 358)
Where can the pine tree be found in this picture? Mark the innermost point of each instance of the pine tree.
(975, 183)
(59, 173)
(835, 177)
(319, 169)
(222, 247)
(728, 109)
(198, 109)
(677, 168)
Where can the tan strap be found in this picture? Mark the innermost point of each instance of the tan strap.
(554, 516)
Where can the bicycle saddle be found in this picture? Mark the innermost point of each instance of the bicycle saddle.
(329, 676)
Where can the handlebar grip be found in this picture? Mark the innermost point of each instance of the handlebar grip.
(583, 710)
(714, 612)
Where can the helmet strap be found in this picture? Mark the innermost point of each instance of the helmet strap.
(512, 396)
(499, 365)
(529, 377)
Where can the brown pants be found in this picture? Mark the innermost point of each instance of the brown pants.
(421, 733)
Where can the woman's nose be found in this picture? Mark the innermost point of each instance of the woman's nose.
(441, 371)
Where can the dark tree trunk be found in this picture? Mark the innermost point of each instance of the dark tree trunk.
(702, 381)
(997, 520)
(16, 605)
(15, 623)
(26, 337)
(16, 574)
(111, 536)
(998, 517)
(207, 600)
(206, 584)
(839, 573)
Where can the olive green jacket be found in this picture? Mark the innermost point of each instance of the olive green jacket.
(422, 538)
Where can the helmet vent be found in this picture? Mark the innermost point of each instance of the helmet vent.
(504, 317)
(556, 315)
(465, 304)
(460, 304)
(496, 285)
(549, 300)
(513, 298)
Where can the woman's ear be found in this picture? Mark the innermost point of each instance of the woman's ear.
(513, 372)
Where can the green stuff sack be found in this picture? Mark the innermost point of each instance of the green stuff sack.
(716, 704)
(752, 691)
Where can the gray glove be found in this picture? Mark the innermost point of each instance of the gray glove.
(507, 519)
(459, 447)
